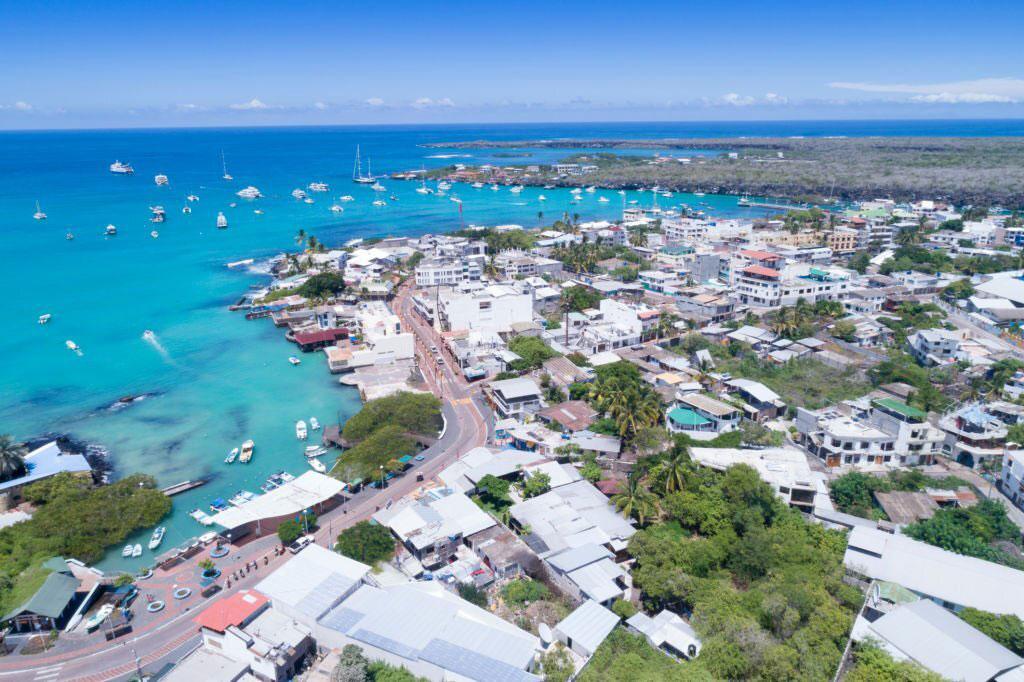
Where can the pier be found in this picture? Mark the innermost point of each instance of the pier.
(184, 486)
(767, 204)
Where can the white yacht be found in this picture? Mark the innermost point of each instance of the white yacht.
(336, 208)
(222, 222)
(111, 230)
(516, 190)
(136, 551)
(455, 199)
(478, 185)
(317, 465)
(423, 189)
(232, 456)
(318, 187)
(192, 197)
(224, 165)
(495, 188)
(186, 209)
(314, 423)
(72, 346)
(294, 360)
(575, 190)
(39, 215)
(157, 537)
(347, 197)
(119, 168)
(161, 180)
(249, 192)
(300, 430)
(307, 200)
(444, 185)
(591, 190)
(247, 449)
(298, 194)
(603, 200)
(542, 198)
(258, 211)
(44, 318)
(377, 187)
(154, 234)
(380, 202)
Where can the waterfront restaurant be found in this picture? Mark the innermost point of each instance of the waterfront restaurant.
(311, 491)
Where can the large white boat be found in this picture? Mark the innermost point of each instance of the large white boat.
(157, 537)
(222, 221)
(249, 192)
(247, 448)
(318, 187)
(298, 193)
(357, 171)
(39, 215)
(119, 168)
(160, 180)
(300, 430)
(224, 165)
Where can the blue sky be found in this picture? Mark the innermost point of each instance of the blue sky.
(80, 64)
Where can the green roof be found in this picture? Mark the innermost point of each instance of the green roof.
(57, 563)
(901, 408)
(51, 599)
(897, 594)
(687, 417)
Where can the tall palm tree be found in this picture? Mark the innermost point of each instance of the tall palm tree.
(312, 243)
(674, 466)
(300, 237)
(12, 458)
(636, 501)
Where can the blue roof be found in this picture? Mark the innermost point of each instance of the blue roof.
(47, 461)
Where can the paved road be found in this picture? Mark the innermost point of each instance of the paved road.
(169, 637)
(987, 489)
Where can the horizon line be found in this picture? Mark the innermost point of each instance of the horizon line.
(519, 123)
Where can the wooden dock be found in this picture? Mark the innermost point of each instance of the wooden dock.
(184, 486)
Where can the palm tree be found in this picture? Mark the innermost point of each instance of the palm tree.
(636, 501)
(312, 243)
(12, 458)
(637, 239)
(674, 466)
(300, 237)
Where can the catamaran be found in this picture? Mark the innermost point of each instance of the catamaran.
(39, 215)
(118, 168)
(224, 164)
(357, 171)
(222, 222)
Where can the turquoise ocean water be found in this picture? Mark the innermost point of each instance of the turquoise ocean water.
(211, 378)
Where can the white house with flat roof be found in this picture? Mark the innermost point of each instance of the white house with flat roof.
(583, 630)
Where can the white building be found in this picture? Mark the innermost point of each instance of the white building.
(515, 398)
(784, 469)
(493, 308)
(448, 271)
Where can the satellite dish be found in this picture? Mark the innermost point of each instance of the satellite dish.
(545, 633)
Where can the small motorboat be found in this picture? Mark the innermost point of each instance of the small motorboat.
(72, 346)
(307, 200)
(231, 456)
(242, 497)
(136, 551)
(380, 202)
(157, 537)
(542, 198)
(43, 319)
(315, 451)
(127, 551)
(154, 234)
(186, 210)
(336, 208)
(201, 516)
(161, 180)
(298, 194)
(317, 466)
(603, 200)
(258, 211)
(69, 236)
(219, 505)
(294, 360)
(314, 424)
(347, 197)
(300, 430)
(247, 449)
(111, 231)
(97, 618)
(192, 197)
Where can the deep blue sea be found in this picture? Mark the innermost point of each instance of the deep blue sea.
(211, 377)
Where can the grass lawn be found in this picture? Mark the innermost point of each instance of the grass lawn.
(804, 382)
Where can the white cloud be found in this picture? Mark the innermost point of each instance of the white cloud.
(252, 105)
(981, 90)
(427, 103)
(17, 106)
(188, 107)
(321, 105)
(375, 102)
(772, 98)
(737, 100)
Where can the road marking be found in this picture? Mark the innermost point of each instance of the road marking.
(50, 673)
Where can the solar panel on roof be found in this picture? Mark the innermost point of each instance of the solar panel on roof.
(342, 619)
(381, 642)
(325, 595)
(471, 664)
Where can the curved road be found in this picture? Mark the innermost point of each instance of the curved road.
(164, 640)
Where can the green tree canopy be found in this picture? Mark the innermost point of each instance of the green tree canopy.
(367, 542)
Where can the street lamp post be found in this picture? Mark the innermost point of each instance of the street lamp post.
(382, 476)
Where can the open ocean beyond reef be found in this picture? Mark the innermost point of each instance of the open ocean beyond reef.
(210, 378)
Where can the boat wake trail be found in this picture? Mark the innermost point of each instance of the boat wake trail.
(150, 338)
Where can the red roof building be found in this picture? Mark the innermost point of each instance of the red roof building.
(761, 271)
(237, 610)
(309, 341)
(760, 256)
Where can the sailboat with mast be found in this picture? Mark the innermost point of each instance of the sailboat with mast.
(224, 165)
(357, 171)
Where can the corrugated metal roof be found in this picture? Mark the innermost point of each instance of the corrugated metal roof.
(588, 625)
